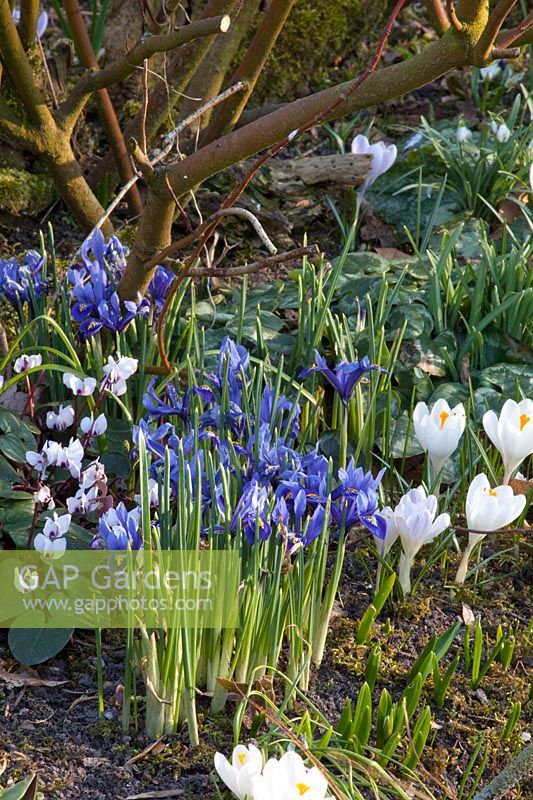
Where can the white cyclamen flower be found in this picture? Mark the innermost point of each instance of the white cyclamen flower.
(238, 775)
(511, 433)
(27, 362)
(487, 509)
(44, 496)
(117, 373)
(1, 382)
(289, 779)
(52, 540)
(417, 524)
(463, 134)
(438, 430)
(94, 427)
(383, 157)
(153, 494)
(62, 420)
(81, 387)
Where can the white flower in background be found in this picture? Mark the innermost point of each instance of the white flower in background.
(1, 382)
(62, 420)
(384, 545)
(117, 373)
(491, 72)
(417, 524)
(153, 494)
(463, 134)
(414, 141)
(71, 458)
(81, 387)
(52, 539)
(94, 473)
(42, 21)
(44, 496)
(438, 429)
(289, 779)
(511, 433)
(501, 132)
(27, 362)
(487, 509)
(84, 502)
(383, 157)
(94, 427)
(531, 176)
(48, 456)
(238, 775)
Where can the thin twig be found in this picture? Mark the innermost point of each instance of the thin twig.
(501, 530)
(144, 114)
(169, 139)
(440, 18)
(256, 266)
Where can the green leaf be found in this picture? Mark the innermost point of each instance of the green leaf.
(25, 790)
(30, 646)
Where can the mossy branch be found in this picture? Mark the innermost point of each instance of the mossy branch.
(514, 773)
(91, 82)
(20, 72)
(29, 14)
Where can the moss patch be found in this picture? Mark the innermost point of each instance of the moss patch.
(319, 36)
(22, 192)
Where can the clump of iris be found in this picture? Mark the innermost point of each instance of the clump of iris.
(23, 283)
(95, 301)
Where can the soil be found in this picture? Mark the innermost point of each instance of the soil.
(56, 731)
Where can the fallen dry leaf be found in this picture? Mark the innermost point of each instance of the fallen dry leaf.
(154, 747)
(24, 679)
(164, 793)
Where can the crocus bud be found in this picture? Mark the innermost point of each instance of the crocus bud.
(511, 433)
(438, 429)
(463, 134)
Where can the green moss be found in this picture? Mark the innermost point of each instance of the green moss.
(22, 192)
(318, 36)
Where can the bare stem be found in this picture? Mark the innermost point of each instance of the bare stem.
(256, 266)
(454, 19)
(518, 35)
(105, 106)
(437, 14)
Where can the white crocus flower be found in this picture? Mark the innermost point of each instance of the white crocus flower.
(383, 157)
(42, 21)
(62, 420)
(511, 433)
(94, 427)
(27, 362)
(238, 775)
(289, 779)
(463, 134)
(417, 524)
(52, 539)
(81, 387)
(487, 509)
(438, 430)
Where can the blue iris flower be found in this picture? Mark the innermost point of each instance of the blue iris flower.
(344, 377)
(251, 510)
(16, 279)
(174, 406)
(120, 529)
(159, 288)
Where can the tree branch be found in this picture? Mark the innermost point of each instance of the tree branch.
(454, 19)
(492, 29)
(18, 67)
(522, 34)
(13, 130)
(29, 14)
(70, 110)
(437, 16)
(250, 68)
(256, 266)
(514, 773)
(105, 106)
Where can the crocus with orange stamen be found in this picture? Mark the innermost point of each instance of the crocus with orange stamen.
(487, 509)
(511, 433)
(438, 429)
